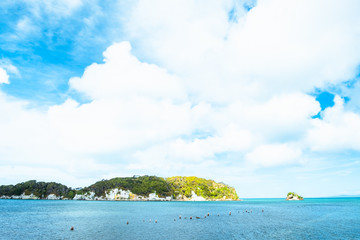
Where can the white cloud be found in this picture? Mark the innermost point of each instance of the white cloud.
(4, 77)
(182, 152)
(7, 65)
(336, 131)
(281, 118)
(298, 45)
(57, 7)
(124, 76)
(26, 26)
(274, 155)
(134, 105)
(279, 46)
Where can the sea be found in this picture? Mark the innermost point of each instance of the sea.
(316, 218)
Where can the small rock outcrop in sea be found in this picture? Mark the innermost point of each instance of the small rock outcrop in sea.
(294, 196)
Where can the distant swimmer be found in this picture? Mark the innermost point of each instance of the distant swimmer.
(127, 222)
(72, 228)
(230, 213)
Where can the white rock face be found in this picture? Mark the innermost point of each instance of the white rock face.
(86, 196)
(23, 196)
(153, 197)
(110, 195)
(52, 197)
(78, 197)
(117, 194)
(291, 197)
(113, 194)
(195, 197)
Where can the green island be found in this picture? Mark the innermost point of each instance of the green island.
(293, 196)
(136, 188)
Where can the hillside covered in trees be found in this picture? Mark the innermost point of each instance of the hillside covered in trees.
(208, 189)
(38, 189)
(176, 188)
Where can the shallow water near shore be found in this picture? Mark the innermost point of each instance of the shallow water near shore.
(332, 218)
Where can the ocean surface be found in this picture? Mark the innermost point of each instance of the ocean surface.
(332, 218)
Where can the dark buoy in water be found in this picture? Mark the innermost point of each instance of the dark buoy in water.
(190, 217)
(72, 228)
(127, 222)
(180, 217)
(208, 214)
(197, 217)
(155, 221)
(263, 210)
(230, 213)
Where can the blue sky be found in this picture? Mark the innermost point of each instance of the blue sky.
(61, 45)
(261, 95)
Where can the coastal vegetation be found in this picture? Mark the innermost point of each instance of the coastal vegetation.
(205, 188)
(38, 189)
(179, 188)
(142, 185)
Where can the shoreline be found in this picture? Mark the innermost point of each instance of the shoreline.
(122, 200)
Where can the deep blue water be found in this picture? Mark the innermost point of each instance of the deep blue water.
(309, 219)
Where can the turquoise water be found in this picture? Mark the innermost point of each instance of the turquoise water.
(308, 219)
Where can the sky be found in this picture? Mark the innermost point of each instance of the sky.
(262, 95)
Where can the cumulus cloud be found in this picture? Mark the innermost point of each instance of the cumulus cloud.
(273, 155)
(336, 130)
(281, 118)
(278, 46)
(133, 105)
(198, 151)
(124, 76)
